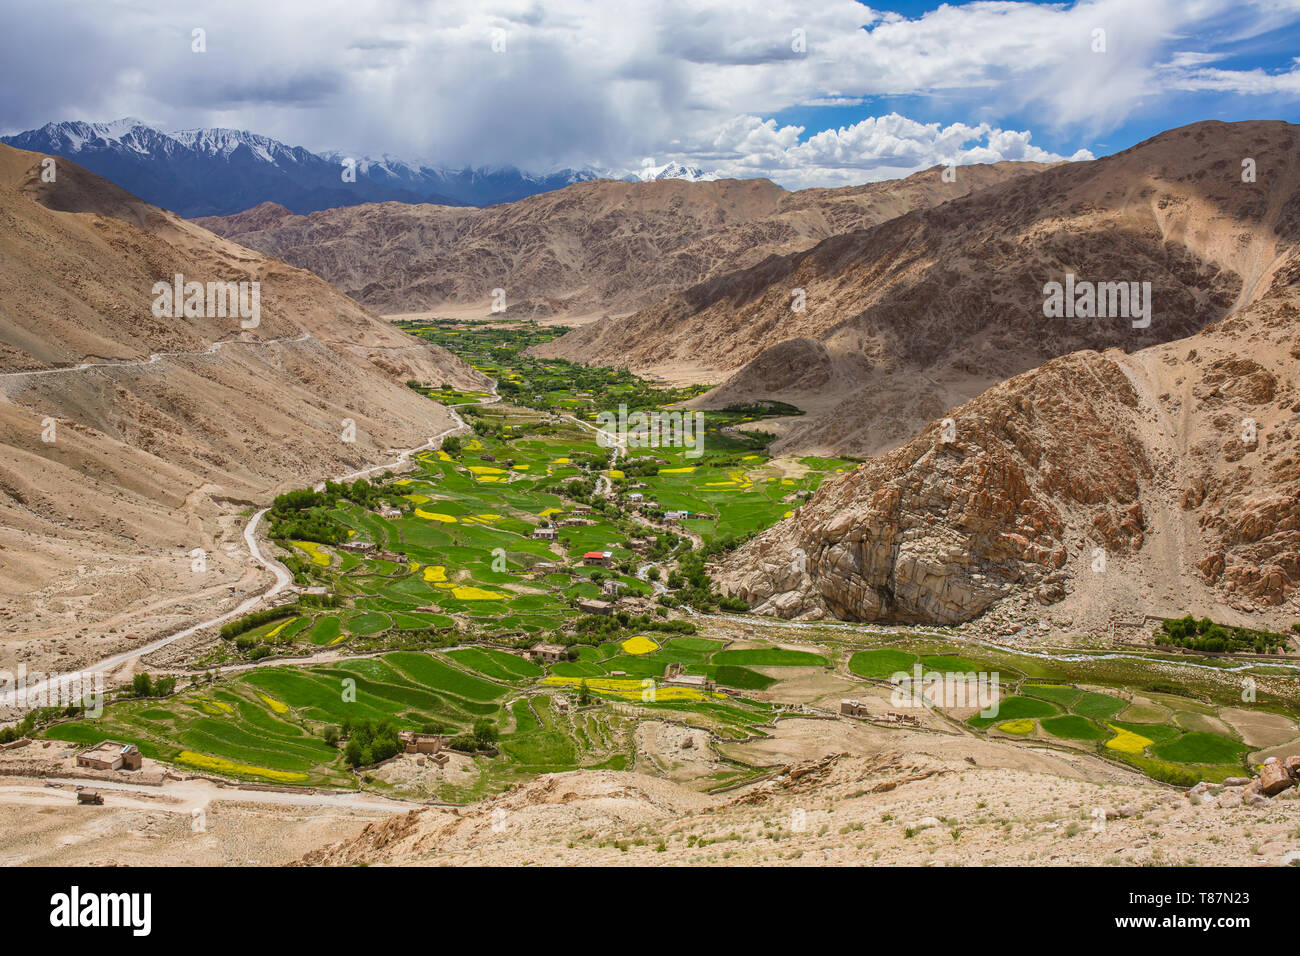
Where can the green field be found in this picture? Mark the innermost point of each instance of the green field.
(434, 588)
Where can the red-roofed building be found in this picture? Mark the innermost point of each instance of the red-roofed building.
(598, 558)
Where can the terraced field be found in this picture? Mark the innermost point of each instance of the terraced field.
(1104, 708)
(444, 574)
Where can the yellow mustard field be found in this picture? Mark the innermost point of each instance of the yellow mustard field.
(222, 765)
(1125, 741)
(639, 645)
(317, 552)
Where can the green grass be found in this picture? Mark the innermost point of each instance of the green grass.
(1056, 693)
(770, 657)
(1012, 708)
(1200, 747)
(494, 663)
(952, 663)
(1102, 706)
(742, 678)
(1074, 727)
(881, 663)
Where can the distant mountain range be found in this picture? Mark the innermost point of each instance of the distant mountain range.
(217, 172)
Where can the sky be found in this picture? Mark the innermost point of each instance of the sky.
(805, 92)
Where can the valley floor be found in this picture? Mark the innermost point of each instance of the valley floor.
(666, 726)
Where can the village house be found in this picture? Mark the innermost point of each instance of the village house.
(612, 588)
(111, 755)
(390, 512)
(570, 522)
(547, 653)
(595, 607)
(636, 496)
(696, 681)
(357, 546)
(417, 743)
(600, 559)
(545, 534)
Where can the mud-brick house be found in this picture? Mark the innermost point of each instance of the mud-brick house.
(547, 653)
(417, 743)
(111, 755)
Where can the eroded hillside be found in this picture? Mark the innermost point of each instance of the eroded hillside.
(929, 309)
(598, 247)
(128, 440)
(1119, 485)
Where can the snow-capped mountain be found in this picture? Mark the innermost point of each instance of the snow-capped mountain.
(669, 170)
(471, 186)
(216, 172)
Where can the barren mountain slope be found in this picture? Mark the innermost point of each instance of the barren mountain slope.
(911, 800)
(1161, 482)
(111, 473)
(599, 246)
(929, 309)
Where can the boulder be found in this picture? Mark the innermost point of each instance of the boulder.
(1273, 778)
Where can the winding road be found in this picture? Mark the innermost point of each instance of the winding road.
(152, 359)
(283, 578)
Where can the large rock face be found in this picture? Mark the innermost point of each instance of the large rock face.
(1163, 482)
(976, 505)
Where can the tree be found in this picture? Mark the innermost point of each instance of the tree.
(584, 693)
(142, 685)
(451, 445)
(485, 734)
(352, 754)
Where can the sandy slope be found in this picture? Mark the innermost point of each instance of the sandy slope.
(165, 430)
(888, 804)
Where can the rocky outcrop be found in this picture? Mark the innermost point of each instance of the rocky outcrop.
(1177, 467)
(976, 505)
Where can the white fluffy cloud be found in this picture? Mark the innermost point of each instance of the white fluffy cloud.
(591, 82)
(880, 147)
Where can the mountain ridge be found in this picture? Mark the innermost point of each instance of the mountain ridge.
(602, 246)
(219, 171)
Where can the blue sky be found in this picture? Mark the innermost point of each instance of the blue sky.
(807, 92)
